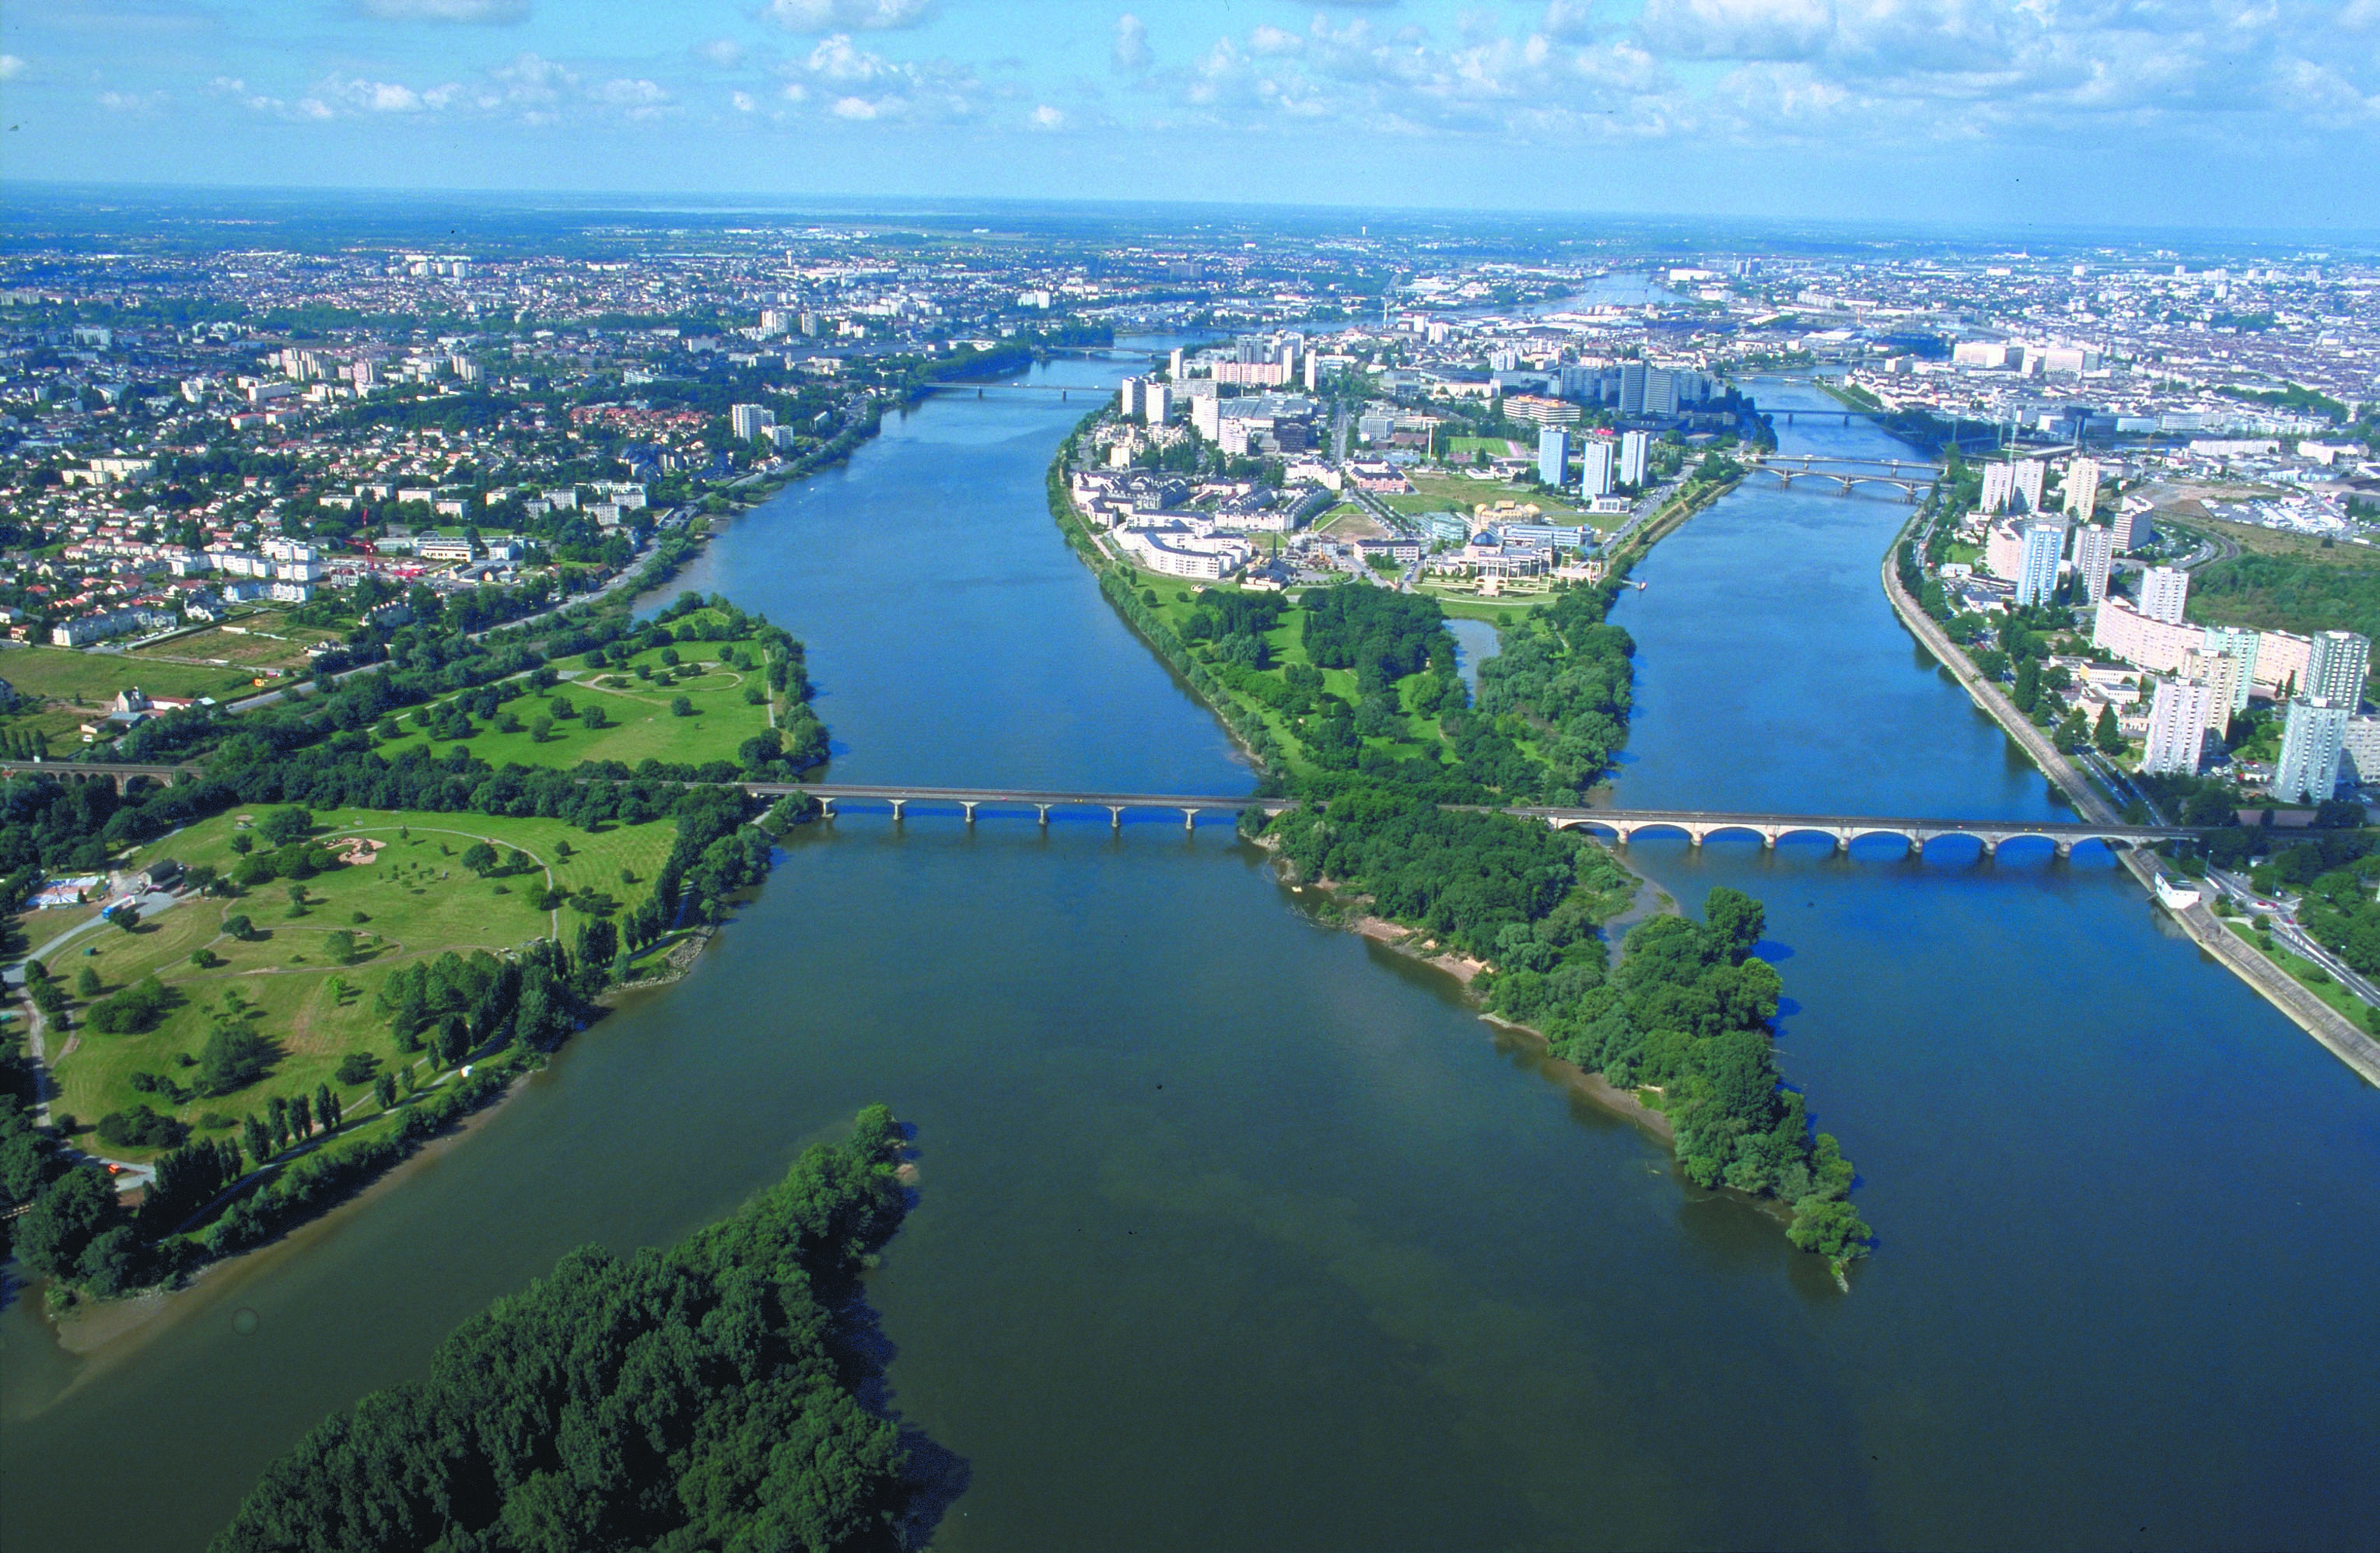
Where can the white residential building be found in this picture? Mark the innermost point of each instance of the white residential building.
(2155, 645)
(2081, 488)
(1636, 453)
(2164, 590)
(2336, 668)
(2178, 718)
(1595, 468)
(2037, 575)
(2095, 550)
(750, 421)
(2311, 742)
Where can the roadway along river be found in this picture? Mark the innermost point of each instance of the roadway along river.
(1239, 1232)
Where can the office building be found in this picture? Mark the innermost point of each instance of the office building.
(2081, 488)
(2311, 742)
(2095, 550)
(1635, 451)
(2036, 572)
(2179, 716)
(1661, 392)
(2028, 475)
(1631, 388)
(1594, 465)
(1128, 398)
(1553, 455)
(2336, 665)
(2164, 590)
(750, 421)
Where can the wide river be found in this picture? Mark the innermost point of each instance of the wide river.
(1236, 1232)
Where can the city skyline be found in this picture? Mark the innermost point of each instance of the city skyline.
(2004, 116)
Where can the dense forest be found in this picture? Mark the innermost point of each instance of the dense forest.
(699, 1397)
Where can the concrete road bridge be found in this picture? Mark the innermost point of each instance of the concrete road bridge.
(1911, 480)
(1621, 824)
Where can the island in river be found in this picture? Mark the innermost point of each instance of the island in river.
(1349, 697)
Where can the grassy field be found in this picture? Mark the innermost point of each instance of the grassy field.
(268, 643)
(1440, 492)
(641, 723)
(2286, 582)
(1348, 521)
(414, 900)
(57, 674)
(1460, 449)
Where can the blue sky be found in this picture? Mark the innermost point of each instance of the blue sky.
(2193, 113)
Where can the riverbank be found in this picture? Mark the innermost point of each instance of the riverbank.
(2351, 1046)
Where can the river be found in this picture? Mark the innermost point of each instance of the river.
(1235, 1231)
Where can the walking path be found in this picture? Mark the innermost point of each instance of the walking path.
(2318, 1019)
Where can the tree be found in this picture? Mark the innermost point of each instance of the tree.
(2108, 736)
(1831, 1228)
(71, 1212)
(681, 705)
(541, 730)
(87, 983)
(126, 916)
(384, 1091)
(2072, 733)
(297, 894)
(239, 926)
(276, 1118)
(2027, 694)
(481, 858)
(326, 1105)
(284, 826)
(234, 1058)
(594, 716)
(301, 1117)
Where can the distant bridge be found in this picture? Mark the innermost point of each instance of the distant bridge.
(1061, 391)
(1623, 824)
(1910, 479)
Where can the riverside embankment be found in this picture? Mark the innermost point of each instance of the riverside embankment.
(1239, 1230)
(2349, 1045)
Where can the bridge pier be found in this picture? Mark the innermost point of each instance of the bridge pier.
(1115, 816)
(2064, 849)
(826, 808)
(1991, 847)
(1767, 841)
(1189, 820)
(1045, 814)
(896, 804)
(968, 805)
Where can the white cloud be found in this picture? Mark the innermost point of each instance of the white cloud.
(11, 67)
(1047, 118)
(862, 108)
(834, 16)
(725, 53)
(482, 11)
(860, 85)
(1132, 42)
(132, 101)
(743, 101)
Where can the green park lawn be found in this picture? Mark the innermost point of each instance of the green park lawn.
(414, 900)
(640, 721)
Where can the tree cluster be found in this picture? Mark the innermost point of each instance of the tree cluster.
(697, 1396)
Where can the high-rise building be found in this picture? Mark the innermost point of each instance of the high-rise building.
(1173, 365)
(1635, 449)
(1128, 398)
(2082, 488)
(2237, 642)
(2311, 739)
(1999, 484)
(2222, 674)
(2179, 714)
(750, 421)
(1594, 463)
(1313, 373)
(2095, 549)
(1631, 388)
(2029, 474)
(1156, 401)
(2336, 666)
(2134, 529)
(2037, 570)
(2164, 589)
(1661, 392)
(1553, 455)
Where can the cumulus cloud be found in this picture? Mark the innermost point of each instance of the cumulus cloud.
(1047, 118)
(481, 11)
(725, 53)
(11, 67)
(840, 16)
(1131, 43)
(859, 85)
